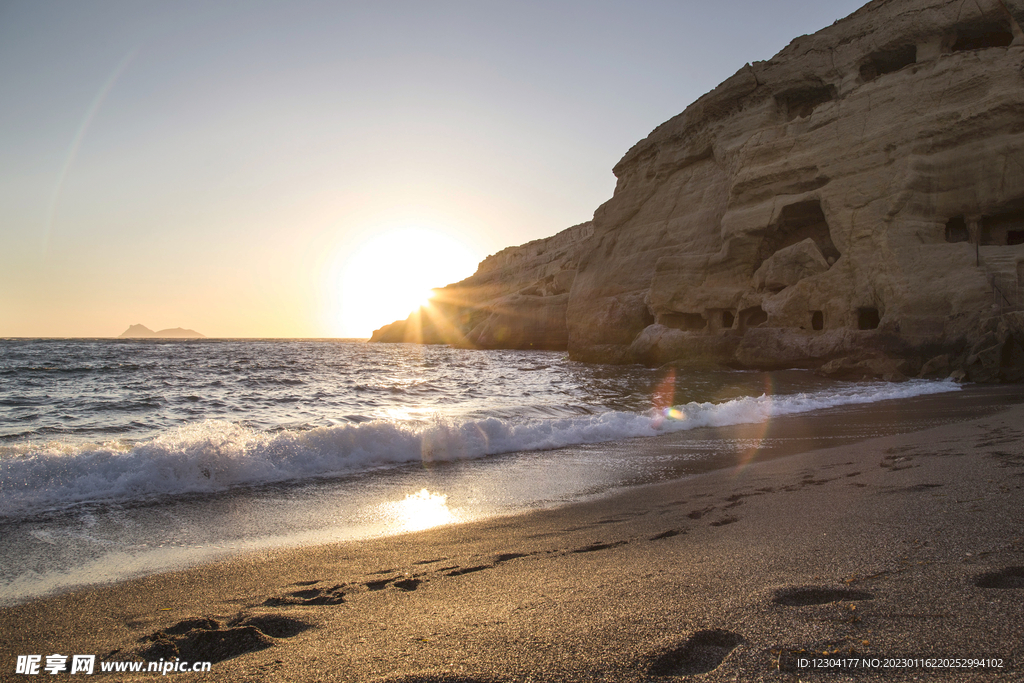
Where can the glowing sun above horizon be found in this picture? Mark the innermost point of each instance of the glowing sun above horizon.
(392, 274)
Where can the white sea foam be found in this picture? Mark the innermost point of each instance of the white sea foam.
(217, 455)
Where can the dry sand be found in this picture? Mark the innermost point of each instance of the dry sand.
(905, 546)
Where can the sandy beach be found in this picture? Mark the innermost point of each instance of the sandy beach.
(901, 547)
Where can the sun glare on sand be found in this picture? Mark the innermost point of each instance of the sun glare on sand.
(390, 275)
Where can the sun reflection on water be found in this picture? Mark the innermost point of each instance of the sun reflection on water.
(423, 510)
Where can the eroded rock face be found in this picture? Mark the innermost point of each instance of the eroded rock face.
(861, 194)
(857, 199)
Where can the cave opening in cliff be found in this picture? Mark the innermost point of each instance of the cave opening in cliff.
(868, 319)
(1011, 356)
(1003, 229)
(720, 318)
(796, 223)
(647, 317)
(982, 35)
(887, 61)
(956, 229)
(817, 320)
(752, 317)
(800, 102)
(683, 321)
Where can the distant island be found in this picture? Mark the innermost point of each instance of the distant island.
(143, 332)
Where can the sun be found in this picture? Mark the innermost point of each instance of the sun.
(393, 273)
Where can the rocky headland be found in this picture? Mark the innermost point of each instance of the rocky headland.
(143, 332)
(517, 299)
(854, 204)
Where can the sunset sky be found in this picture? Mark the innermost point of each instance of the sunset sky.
(283, 169)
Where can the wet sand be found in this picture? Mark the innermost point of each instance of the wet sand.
(905, 546)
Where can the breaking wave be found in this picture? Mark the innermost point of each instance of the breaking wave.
(215, 455)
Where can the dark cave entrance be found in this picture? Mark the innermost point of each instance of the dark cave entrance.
(868, 319)
(800, 102)
(796, 223)
(817, 320)
(982, 35)
(887, 61)
(683, 321)
(1003, 229)
(752, 317)
(956, 230)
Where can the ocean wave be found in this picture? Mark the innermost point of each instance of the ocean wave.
(214, 455)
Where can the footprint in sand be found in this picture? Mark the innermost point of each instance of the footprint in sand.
(895, 463)
(697, 514)
(310, 596)
(702, 652)
(505, 557)
(1008, 577)
(667, 534)
(459, 571)
(815, 595)
(205, 639)
(274, 625)
(443, 677)
(593, 547)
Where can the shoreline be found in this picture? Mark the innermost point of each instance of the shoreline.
(649, 579)
(588, 470)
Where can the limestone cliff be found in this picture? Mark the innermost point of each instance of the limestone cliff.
(856, 202)
(516, 300)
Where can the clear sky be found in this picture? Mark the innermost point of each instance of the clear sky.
(283, 169)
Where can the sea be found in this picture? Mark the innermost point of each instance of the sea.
(120, 458)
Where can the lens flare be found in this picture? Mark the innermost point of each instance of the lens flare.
(674, 413)
(751, 437)
(663, 398)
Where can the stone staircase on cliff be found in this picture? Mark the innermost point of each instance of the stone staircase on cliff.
(1003, 273)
